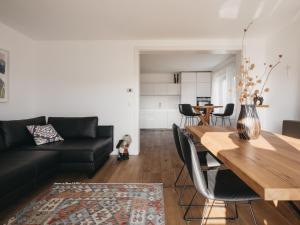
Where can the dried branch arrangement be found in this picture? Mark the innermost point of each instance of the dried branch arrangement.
(251, 87)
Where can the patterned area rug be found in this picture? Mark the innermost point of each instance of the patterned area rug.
(87, 204)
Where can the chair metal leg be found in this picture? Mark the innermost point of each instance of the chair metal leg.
(229, 121)
(206, 205)
(182, 190)
(223, 122)
(208, 213)
(252, 213)
(236, 211)
(181, 121)
(189, 206)
(178, 176)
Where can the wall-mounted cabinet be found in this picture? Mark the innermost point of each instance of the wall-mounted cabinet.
(193, 85)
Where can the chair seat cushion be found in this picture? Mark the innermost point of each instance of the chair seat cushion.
(218, 114)
(207, 159)
(77, 150)
(14, 174)
(42, 160)
(224, 185)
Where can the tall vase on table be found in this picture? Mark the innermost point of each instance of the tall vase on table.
(248, 124)
(251, 87)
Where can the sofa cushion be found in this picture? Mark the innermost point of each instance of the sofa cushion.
(14, 174)
(44, 134)
(41, 160)
(75, 127)
(77, 150)
(15, 132)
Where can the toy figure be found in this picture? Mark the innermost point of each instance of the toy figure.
(123, 146)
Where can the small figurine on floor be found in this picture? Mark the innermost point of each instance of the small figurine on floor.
(123, 146)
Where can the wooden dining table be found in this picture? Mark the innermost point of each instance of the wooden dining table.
(205, 117)
(270, 165)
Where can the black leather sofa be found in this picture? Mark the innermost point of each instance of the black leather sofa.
(23, 165)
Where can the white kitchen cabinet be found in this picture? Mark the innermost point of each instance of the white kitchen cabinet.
(173, 116)
(188, 93)
(203, 77)
(188, 88)
(203, 89)
(203, 84)
(159, 119)
(188, 77)
(153, 119)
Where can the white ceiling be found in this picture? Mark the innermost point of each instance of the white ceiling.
(170, 62)
(145, 19)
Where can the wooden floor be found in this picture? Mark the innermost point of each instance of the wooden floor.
(158, 162)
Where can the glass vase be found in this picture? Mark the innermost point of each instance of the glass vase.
(248, 124)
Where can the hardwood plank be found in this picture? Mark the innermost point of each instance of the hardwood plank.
(270, 165)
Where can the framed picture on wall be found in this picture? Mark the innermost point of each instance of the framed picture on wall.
(3, 75)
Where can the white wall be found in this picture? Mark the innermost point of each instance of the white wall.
(90, 78)
(284, 84)
(21, 75)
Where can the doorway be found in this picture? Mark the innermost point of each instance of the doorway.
(168, 78)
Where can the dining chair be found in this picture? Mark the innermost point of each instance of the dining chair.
(215, 185)
(206, 160)
(187, 112)
(229, 109)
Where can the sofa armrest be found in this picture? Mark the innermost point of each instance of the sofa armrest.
(291, 128)
(105, 131)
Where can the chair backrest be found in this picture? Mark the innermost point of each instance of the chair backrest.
(186, 109)
(186, 151)
(175, 129)
(193, 165)
(229, 109)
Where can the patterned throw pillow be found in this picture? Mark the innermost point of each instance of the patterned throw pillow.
(44, 134)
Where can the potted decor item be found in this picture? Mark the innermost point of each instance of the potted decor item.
(251, 89)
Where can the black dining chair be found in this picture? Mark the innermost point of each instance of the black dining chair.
(229, 109)
(187, 112)
(215, 185)
(206, 160)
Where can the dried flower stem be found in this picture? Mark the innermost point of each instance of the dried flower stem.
(270, 71)
(244, 38)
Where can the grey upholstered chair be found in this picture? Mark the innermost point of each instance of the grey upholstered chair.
(206, 160)
(215, 185)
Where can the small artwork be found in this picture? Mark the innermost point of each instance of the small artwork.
(3, 75)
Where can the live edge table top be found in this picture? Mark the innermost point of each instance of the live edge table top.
(270, 165)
